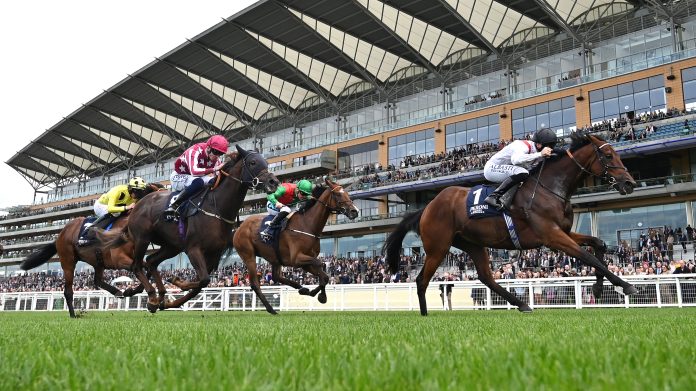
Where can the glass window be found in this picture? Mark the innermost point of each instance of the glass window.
(478, 130)
(625, 89)
(640, 85)
(626, 103)
(689, 74)
(656, 82)
(416, 143)
(611, 92)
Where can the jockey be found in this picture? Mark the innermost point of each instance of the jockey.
(191, 171)
(119, 199)
(511, 165)
(277, 205)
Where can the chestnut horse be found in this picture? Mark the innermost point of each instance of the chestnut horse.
(204, 235)
(298, 243)
(541, 212)
(100, 259)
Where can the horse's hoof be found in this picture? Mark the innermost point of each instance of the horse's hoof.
(119, 294)
(303, 291)
(322, 298)
(152, 307)
(272, 311)
(525, 309)
(162, 306)
(630, 290)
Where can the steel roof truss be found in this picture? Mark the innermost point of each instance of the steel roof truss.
(362, 71)
(551, 12)
(270, 98)
(316, 87)
(423, 61)
(491, 47)
(243, 117)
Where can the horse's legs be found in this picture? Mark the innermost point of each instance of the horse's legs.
(436, 248)
(600, 248)
(153, 262)
(480, 257)
(138, 268)
(563, 242)
(100, 283)
(316, 269)
(248, 257)
(197, 259)
(69, 275)
(279, 278)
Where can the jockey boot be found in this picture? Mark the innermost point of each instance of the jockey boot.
(276, 222)
(172, 213)
(494, 198)
(87, 236)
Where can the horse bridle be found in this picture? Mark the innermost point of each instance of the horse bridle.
(340, 207)
(603, 161)
(251, 178)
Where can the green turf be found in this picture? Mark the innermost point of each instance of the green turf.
(604, 349)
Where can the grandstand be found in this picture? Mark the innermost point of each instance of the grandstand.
(397, 99)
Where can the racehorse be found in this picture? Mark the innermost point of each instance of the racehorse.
(204, 235)
(541, 212)
(298, 244)
(69, 254)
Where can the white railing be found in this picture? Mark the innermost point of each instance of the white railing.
(654, 291)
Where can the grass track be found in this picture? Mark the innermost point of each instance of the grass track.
(603, 349)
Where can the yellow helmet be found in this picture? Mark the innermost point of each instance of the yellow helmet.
(137, 183)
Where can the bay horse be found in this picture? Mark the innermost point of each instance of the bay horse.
(65, 245)
(298, 243)
(541, 212)
(203, 236)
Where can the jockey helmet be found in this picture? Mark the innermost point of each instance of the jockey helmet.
(305, 186)
(136, 183)
(218, 143)
(545, 137)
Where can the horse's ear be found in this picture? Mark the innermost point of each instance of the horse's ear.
(241, 151)
(327, 181)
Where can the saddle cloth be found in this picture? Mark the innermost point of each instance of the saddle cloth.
(475, 207)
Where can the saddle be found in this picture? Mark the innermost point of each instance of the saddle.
(189, 207)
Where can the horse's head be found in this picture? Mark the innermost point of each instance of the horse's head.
(339, 201)
(251, 169)
(606, 163)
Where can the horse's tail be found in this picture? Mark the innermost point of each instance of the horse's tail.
(392, 246)
(40, 257)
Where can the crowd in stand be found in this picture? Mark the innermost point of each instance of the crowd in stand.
(467, 158)
(625, 129)
(483, 98)
(26, 211)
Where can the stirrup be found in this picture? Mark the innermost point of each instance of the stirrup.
(83, 242)
(170, 214)
(494, 202)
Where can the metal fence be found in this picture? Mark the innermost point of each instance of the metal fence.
(654, 291)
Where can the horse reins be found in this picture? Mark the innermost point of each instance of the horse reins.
(605, 175)
(254, 182)
(334, 210)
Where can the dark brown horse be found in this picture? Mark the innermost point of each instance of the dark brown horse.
(203, 235)
(541, 212)
(298, 244)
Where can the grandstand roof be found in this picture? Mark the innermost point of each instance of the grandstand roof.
(278, 59)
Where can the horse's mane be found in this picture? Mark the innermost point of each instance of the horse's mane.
(316, 193)
(231, 159)
(579, 139)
